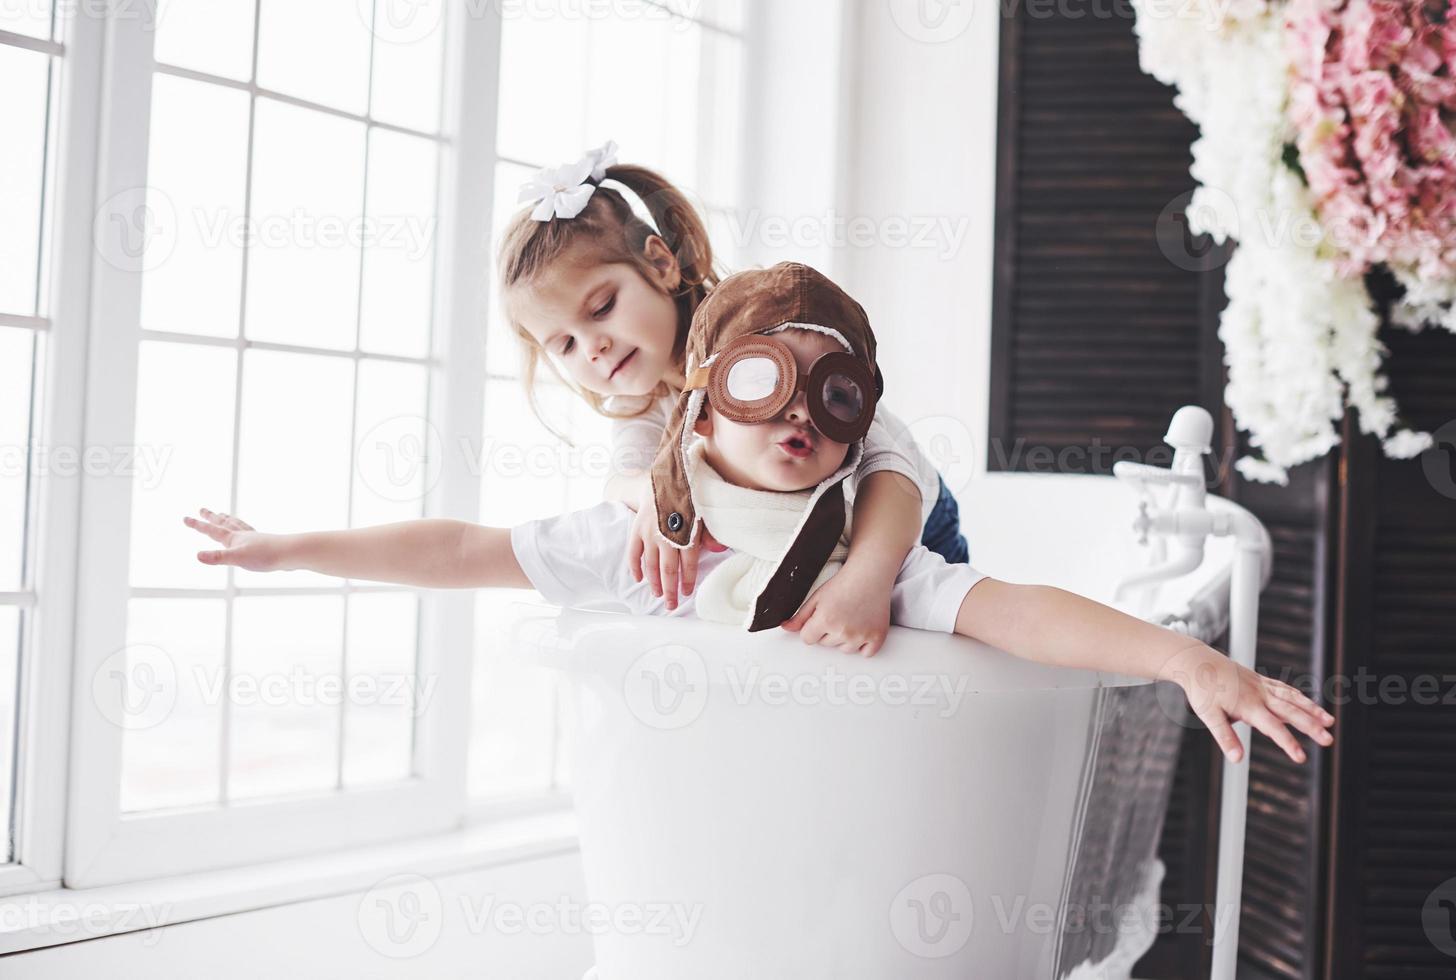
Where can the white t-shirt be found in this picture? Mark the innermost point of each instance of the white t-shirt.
(579, 559)
(888, 445)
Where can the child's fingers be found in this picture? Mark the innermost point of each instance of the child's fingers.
(1223, 733)
(214, 531)
(1263, 719)
(650, 568)
(1301, 718)
(689, 570)
(668, 560)
(797, 620)
(710, 542)
(226, 520)
(214, 558)
(634, 557)
(812, 632)
(1298, 699)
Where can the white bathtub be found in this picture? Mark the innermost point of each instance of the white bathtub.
(753, 808)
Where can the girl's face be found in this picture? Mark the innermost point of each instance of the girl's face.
(606, 325)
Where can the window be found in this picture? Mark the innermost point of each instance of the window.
(665, 82)
(264, 291)
(29, 75)
(278, 241)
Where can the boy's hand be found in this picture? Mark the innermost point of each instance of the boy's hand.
(242, 546)
(661, 564)
(851, 612)
(1221, 691)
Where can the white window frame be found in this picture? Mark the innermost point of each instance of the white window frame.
(70, 831)
(103, 845)
(44, 691)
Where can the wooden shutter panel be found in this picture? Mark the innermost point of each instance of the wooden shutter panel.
(1395, 821)
(1098, 337)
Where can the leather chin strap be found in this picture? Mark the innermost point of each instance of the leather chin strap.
(698, 378)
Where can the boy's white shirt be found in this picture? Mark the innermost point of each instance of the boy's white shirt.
(888, 445)
(759, 525)
(579, 559)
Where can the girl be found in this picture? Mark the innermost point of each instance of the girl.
(606, 299)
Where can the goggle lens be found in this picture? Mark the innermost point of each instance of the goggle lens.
(752, 379)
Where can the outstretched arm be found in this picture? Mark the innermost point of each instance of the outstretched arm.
(1057, 627)
(436, 553)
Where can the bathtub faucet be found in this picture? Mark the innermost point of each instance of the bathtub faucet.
(1183, 516)
(1187, 521)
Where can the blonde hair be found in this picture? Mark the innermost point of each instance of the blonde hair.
(613, 232)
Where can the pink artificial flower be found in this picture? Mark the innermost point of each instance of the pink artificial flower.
(1371, 98)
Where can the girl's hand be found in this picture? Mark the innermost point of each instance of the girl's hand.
(242, 546)
(663, 565)
(851, 612)
(1221, 691)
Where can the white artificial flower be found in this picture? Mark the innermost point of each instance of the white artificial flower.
(1299, 341)
(1406, 444)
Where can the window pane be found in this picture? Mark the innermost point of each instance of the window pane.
(303, 263)
(22, 120)
(316, 50)
(380, 712)
(9, 700)
(396, 454)
(542, 113)
(502, 349)
(513, 714)
(728, 231)
(29, 17)
(399, 244)
(198, 172)
(680, 61)
(172, 670)
(213, 36)
(637, 56)
(521, 462)
(408, 59)
(182, 460)
(721, 160)
(727, 14)
(15, 462)
(293, 460)
(286, 683)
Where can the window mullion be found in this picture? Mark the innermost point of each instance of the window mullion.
(457, 379)
(105, 524)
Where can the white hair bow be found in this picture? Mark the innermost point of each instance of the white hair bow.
(563, 192)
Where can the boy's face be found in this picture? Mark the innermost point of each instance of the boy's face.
(785, 453)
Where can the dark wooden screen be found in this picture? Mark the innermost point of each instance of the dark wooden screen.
(1105, 322)
(1392, 914)
(1098, 335)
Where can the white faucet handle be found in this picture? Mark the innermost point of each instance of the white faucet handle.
(1126, 469)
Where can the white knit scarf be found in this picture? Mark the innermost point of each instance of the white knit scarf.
(759, 525)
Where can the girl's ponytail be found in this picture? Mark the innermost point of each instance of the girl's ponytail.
(678, 222)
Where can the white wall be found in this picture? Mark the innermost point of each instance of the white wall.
(923, 149)
(875, 143)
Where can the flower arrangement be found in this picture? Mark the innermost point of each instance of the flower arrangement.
(1327, 152)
